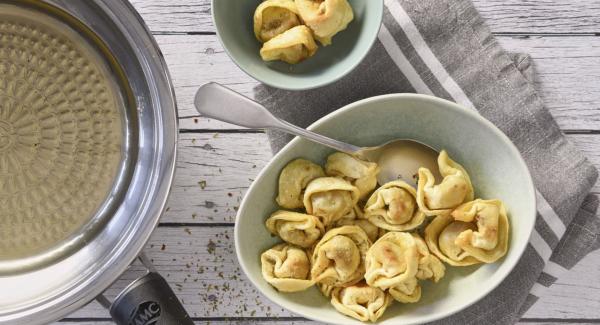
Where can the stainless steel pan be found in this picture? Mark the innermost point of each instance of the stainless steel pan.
(56, 280)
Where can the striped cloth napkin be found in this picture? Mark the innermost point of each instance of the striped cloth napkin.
(443, 48)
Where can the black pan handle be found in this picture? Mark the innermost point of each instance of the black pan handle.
(149, 301)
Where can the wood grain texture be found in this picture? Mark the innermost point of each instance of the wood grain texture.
(199, 260)
(566, 75)
(214, 171)
(523, 16)
(201, 266)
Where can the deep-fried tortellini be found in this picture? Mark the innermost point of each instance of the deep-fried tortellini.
(293, 179)
(338, 259)
(475, 232)
(325, 17)
(361, 301)
(295, 228)
(292, 46)
(429, 268)
(362, 174)
(397, 261)
(392, 261)
(454, 189)
(330, 199)
(393, 206)
(286, 267)
(273, 17)
(372, 231)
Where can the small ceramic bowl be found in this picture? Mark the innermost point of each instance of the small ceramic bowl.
(234, 22)
(493, 162)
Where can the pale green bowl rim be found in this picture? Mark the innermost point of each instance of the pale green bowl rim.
(323, 81)
(438, 101)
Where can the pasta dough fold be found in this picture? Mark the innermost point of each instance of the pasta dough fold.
(392, 261)
(361, 301)
(330, 199)
(292, 46)
(338, 259)
(273, 17)
(454, 189)
(362, 174)
(397, 261)
(295, 228)
(325, 17)
(293, 179)
(393, 207)
(286, 267)
(475, 232)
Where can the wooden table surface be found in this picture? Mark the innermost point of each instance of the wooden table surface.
(193, 246)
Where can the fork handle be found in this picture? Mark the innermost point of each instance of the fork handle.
(221, 103)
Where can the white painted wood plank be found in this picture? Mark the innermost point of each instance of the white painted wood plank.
(225, 164)
(201, 266)
(213, 172)
(525, 16)
(567, 71)
(575, 295)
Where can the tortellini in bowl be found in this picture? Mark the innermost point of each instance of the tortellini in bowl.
(340, 238)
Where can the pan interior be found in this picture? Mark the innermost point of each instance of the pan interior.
(65, 137)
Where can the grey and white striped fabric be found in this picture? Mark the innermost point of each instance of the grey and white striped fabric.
(443, 48)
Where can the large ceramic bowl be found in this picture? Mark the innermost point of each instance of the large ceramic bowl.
(494, 164)
(234, 22)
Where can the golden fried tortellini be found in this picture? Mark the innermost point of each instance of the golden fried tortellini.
(325, 17)
(454, 190)
(362, 174)
(273, 17)
(295, 228)
(429, 268)
(392, 261)
(338, 259)
(397, 261)
(394, 207)
(361, 301)
(286, 267)
(292, 46)
(293, 179)
(475, 232)
(330, 199)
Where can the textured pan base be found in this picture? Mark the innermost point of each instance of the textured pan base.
(60, 132)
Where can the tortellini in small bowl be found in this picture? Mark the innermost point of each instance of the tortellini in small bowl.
(318, 236)
(297, 45)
